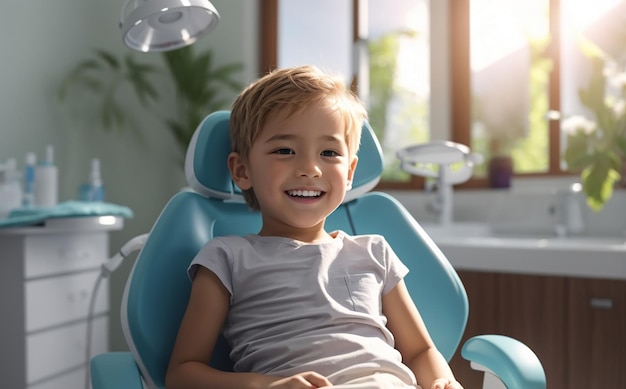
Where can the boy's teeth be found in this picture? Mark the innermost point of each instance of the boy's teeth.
(304, 193)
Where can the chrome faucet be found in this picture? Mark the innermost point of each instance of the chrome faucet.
(569, 211)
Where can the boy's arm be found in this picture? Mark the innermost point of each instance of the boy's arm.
(413, 341)
(197, 335)
(203, 320)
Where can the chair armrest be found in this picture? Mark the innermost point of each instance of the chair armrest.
(509, 359)
(115, 370)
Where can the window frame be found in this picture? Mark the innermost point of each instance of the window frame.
(460, 82)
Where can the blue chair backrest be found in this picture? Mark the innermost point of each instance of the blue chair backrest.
(158, 288)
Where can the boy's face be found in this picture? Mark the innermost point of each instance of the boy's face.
(300, 169)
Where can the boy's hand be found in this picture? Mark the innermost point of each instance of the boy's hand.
(443, 383)
(308, 380)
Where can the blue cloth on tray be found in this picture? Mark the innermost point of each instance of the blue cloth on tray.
(29, 216)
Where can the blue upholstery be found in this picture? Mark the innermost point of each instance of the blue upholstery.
(115, 370)
(158, 288)
(500, 353)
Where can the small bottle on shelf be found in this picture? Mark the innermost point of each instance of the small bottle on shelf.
(93, 190)
(10, 188)
(29, 179)
(47, 181)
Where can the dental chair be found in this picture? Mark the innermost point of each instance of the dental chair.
(158, 288)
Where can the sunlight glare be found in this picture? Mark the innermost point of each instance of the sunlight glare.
(499, 28)
(578, 15)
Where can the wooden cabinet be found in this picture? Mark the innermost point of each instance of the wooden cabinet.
(47, 275)
(576, 326)
(596, 334)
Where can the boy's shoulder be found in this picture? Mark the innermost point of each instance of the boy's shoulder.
(226, 241)
(229, 238)
(367, 239)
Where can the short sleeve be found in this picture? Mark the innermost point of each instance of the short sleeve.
(396, 270)
(216, 256)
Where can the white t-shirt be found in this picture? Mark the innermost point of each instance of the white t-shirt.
(298, 307)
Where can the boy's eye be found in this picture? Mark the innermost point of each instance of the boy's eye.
(329, 153)
(283, 151)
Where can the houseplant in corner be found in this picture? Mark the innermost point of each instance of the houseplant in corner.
(198, 84)
(597, 147)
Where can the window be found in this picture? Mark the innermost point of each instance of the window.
(514, 68)
(509, 78)
(521, 72)
(503, 83)
(395, 80)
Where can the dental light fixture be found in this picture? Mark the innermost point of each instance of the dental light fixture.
(162, 25)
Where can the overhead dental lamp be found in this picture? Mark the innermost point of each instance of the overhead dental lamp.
(162, 25)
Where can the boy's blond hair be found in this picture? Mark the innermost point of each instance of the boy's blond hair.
(289, 91)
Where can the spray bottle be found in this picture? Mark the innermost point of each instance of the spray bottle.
(29, 179)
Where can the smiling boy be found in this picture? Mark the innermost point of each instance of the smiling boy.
(300, 306)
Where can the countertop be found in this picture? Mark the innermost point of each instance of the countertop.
(470, 248)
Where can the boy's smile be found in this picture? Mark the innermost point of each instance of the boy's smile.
(299, 169)
(305, 194)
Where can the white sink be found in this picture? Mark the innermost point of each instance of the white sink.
(481, 247)
(489, 235)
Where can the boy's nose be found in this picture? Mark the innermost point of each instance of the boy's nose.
(308, 168)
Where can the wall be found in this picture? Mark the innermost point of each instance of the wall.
(43, 41)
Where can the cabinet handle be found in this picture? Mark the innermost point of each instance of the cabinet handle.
(601, 303)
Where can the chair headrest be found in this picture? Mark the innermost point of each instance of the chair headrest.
(206, 162)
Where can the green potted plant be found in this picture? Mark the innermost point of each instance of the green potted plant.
(597, 147)
(198, 84)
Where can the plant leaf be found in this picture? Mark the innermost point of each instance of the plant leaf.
(109, 59)
(577, 155)
(78, 76)
(598, 180)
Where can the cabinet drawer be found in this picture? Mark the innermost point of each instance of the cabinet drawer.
(58, 300)
(60, 253)
(72, 380)
(61, 349)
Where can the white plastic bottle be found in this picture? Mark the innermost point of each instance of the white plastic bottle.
(10, 188)
(47, 181)
(4, 196)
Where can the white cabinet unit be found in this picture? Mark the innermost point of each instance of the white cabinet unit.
(47, 276)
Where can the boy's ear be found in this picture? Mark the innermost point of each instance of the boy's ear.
(239, 171)
(351, 169)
